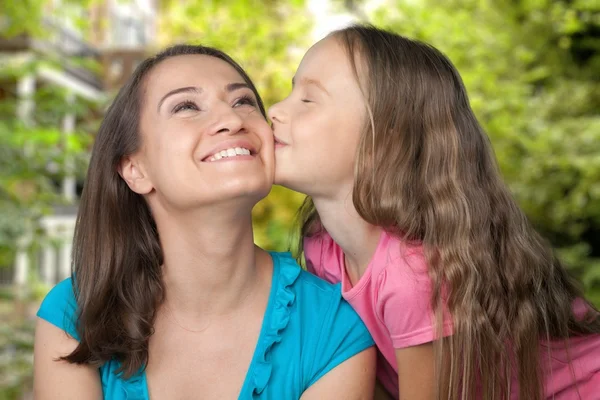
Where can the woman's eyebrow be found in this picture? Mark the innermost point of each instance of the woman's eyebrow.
(236, 86)
(197, 90)
(188, 89)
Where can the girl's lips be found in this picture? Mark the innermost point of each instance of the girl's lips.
(278, 142)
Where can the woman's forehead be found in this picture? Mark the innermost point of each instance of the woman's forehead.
(191, 70)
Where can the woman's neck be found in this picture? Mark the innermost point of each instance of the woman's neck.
(211, 265)
(356, 237)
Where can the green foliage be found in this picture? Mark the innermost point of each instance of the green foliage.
(16, 358)
(20, 17)
(26, 16)
(531, 69)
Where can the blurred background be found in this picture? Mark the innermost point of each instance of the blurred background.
(532, 68)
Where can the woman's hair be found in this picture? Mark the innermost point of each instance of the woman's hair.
(426, 172)
(117, 256)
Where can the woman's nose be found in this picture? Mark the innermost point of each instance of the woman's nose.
(228, 121)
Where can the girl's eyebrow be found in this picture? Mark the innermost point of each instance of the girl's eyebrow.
(310, 81)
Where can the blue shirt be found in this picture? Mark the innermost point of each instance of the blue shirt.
(307, 330)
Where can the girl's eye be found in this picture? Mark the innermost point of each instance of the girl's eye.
(306, 101)
(245, 101)
(186, 105)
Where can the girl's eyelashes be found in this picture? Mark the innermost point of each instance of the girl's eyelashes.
(306, 100)
(184, 106)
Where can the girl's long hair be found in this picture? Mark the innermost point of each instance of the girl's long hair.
(425, 171)
(117, 258)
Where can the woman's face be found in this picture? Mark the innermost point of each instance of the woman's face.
(203, 138)
(317, 127)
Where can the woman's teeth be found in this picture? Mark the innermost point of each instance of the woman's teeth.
(232, 152)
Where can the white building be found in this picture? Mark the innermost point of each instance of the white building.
(119, 32)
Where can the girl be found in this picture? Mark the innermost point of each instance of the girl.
(408, 211)
(170, 298)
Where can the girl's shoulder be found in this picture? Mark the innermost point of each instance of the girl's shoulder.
(404, 257)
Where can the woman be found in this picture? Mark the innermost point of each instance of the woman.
(170, 298)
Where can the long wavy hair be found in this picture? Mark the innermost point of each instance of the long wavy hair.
(425, 171)
(117, 258)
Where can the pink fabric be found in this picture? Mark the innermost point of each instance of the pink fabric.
(584, 353)
(393, 299)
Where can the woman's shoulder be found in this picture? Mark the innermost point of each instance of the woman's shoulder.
(314, 301)
(59, 307)
(315, 327)
(62, 291)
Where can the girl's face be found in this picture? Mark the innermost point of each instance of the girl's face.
(204, 140)
(317, 127)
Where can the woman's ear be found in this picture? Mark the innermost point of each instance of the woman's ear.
(133, 173)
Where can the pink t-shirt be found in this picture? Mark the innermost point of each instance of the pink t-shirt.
(393, 299)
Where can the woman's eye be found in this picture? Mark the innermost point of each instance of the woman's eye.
(186, 105)
(245, 101)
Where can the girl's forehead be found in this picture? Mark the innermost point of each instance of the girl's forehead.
(326, 59)
(328, 47)
(329, 62)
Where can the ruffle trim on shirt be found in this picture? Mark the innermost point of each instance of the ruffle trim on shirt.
(134, 387)
(280, 317)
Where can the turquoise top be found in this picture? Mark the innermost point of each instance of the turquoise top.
(307, 330)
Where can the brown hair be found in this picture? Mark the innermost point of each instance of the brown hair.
(426, 172)
(117, 257)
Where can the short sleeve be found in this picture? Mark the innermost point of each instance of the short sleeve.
(324, 258)
(404, 302)
(60, 308)
(341, 336)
